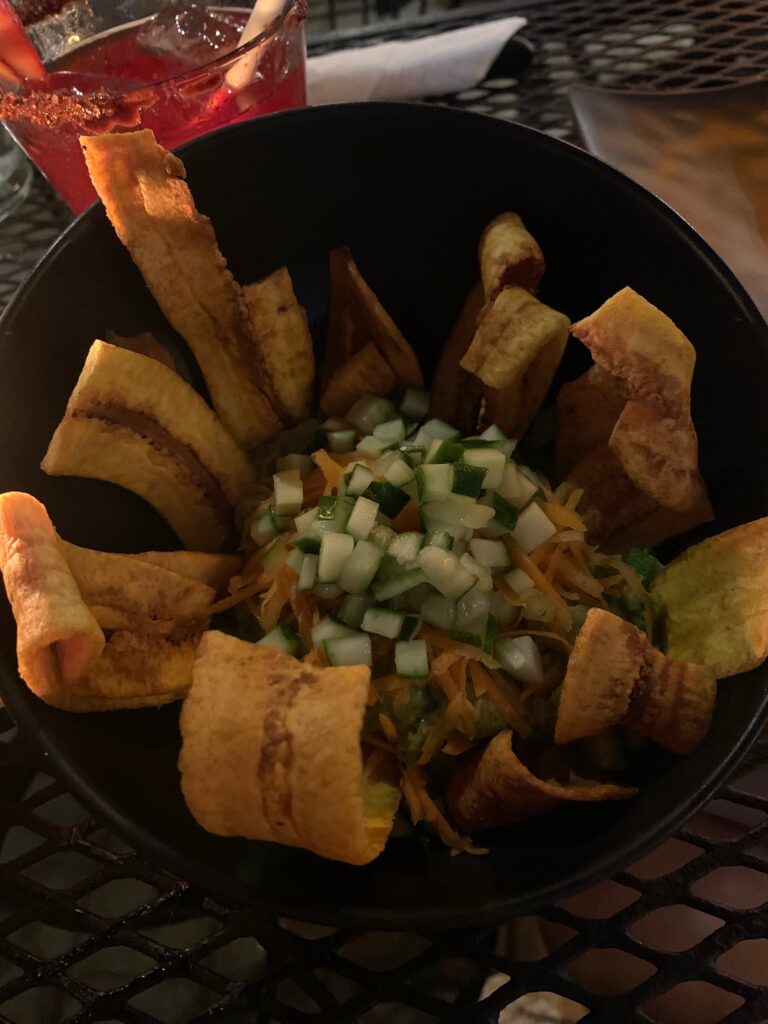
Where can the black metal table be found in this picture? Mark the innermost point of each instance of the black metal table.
(91, 933)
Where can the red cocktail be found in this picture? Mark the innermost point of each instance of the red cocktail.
(180, 73)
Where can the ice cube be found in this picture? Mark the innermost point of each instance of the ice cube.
(189, 31)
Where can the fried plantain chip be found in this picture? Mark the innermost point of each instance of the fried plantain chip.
(367, 371)
(512, 332)
(280, 324)
(715, 598)
(57, 637)
(492, 787)
(153, 213)
(356, 317)
(134, 422)
(616, 677)
(509, 255)
(145, 343)
(271, 751)
(456, 395)
(214, 570)
(587, 410)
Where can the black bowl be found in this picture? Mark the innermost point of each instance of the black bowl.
(409, 189)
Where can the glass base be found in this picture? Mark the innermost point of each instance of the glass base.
(15, 175)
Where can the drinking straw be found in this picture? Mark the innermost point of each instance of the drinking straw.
(261, 17)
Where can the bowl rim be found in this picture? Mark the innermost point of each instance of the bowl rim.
(21, 702)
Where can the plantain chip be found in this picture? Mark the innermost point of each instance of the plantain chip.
(214, 571)
(509, 255)
(715, 598)
(587, 410)
(492, 787)
(367, 371)
(456, 395)
(280, 324)
(271, 751)
(616, 677)
(356, 317)
(145, 343)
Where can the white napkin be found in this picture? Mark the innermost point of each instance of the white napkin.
(429, 66)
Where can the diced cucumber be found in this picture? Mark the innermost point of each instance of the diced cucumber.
(399, 473)
(472, 611)
(445, 572)
(381, 536)
(391, 500)
(468, 479)
(335, 549)
(455, 510)
(369, 411)
(383, 590)
(326, 591)
(489, 638)
(439, 611)
(411, 659)
(359, 479)
(521, 658)
(439, 539)
(481, 574)
(533, 528)
(391, 431)
(503, 610)
(280, 520)
(353, 608)
(296, 460)
(305, 522)
(444, 451)
(263, 529)
(289, 491)
(359, 567)
(282, 637)
(371, 445)
(331, 516)
(412, 453)
(326, 507)
(440, 429)
(349, 650)
(414, 404)
(295, 560)
(520, 581)
(383, 622)
(275, 556)
(493, 433)
(506, 513)
(342, 440)
(490, 460)
(308, 574)
(405, 547)
(434, 482)
(411, 627)
(309, 543)
(490, 553)
(384, 461)
(363, 518)
(330, 628)
(332, 424)
(515, 486)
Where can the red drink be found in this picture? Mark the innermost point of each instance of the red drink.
(129, 78)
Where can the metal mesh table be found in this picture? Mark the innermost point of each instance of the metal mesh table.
(91, 933)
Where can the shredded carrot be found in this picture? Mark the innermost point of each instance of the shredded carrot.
(379, 743)
(263, 582)
(314, 486)
(554, 563)
(573, 499)
(443, 642)
(458, 745)
(484, 681)
(508, 593)
(277, 597)
(316, 658)
(562, 517)
(304, 608)
(330, 469)
(432, 743)
(388, 727)
(543, 633)
(390, 684)
(521, 561)
(408, 520)
(423, 808)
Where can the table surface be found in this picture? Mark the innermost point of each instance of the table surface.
(91, 933)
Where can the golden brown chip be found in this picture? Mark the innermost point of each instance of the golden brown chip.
(715, 599)
(356, 317)
(271, 751)
(154, 215)
(456, 394)
(280, 325)
(512, 332)
(616, 677)
(587, 410)
(57, 637)
(214, 570)
(367, 371)
(492, 787)
(132, 421)
(509, 255)
(145, 343)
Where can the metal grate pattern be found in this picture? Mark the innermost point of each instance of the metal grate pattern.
(90, 933)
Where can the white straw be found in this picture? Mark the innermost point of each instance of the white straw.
(261, 17)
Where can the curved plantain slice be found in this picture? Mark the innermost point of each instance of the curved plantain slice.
(456, 394)
(509, 255)
(271, 751)
(715, 598)
(153, 213)
(213, 570)
(587, 410)
(616, 677)
(145, 343)
(492, 787)
(367, 371)
(57, 637)
(132, 421)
